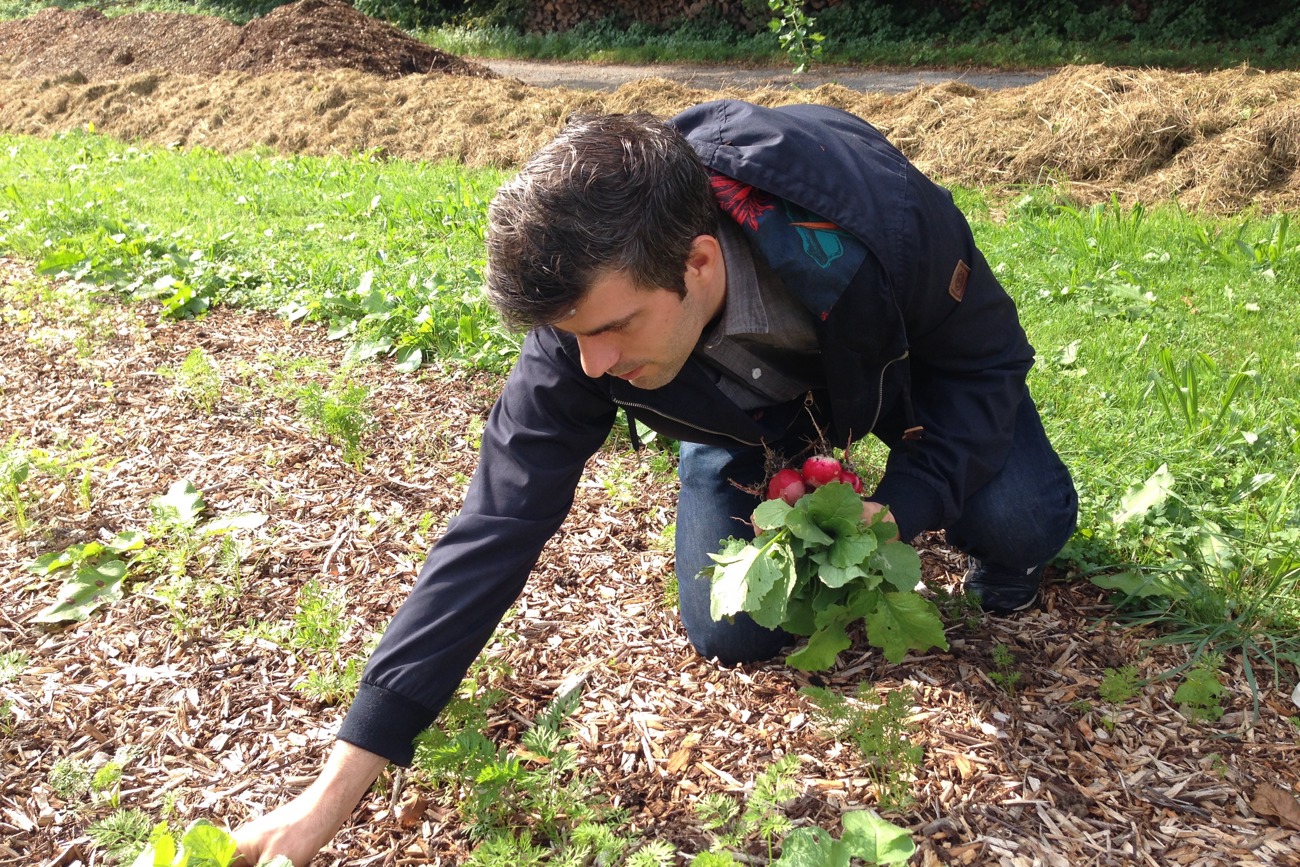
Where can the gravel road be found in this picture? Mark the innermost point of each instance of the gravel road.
(594, 76)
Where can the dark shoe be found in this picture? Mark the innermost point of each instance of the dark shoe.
(1001, 590)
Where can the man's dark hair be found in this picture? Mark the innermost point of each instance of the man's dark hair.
(612, 193)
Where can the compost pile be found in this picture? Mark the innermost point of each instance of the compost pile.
(1026, 765)
(312, 35)
(317, 77)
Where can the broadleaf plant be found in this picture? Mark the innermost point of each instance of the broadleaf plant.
(815, 568)
(202, 845)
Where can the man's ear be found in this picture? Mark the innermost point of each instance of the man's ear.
(704, 264)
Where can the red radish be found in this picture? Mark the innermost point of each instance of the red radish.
(786, 485)
(851, 479)
(820, 469)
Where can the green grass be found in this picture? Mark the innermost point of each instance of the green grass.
(388, 254)
(1168, 358)
(1168, 365)
(613, 42)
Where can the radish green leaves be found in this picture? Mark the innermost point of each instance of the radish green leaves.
(815, 568)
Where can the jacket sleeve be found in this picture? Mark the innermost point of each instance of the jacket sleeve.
(549, 419)
(967, 357)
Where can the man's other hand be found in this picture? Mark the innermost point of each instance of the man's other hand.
(870, 508)
(301, 827)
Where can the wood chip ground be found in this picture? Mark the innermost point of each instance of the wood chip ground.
(211, 725)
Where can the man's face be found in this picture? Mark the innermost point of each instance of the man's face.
(646, 335)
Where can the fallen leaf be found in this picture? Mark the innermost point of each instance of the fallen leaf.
(412, 808)
(1277, 803)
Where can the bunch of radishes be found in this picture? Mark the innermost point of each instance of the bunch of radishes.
(790, 484)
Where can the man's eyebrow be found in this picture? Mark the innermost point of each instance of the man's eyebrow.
(608, 326)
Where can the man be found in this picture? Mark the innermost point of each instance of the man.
(746, 280)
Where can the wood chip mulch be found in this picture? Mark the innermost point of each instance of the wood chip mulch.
(206, 718)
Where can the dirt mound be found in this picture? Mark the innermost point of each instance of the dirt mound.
(303, 36)
(318, 77)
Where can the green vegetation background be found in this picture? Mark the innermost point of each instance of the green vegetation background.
(1181, 34)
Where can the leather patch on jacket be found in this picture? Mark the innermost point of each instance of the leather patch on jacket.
(957, 286)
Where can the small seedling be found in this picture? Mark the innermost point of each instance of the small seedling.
(123, 834)
(762, 814)
(69, 778)
(106, 784)
(340, 414)
(1118, 686)
(15, 467)
(319, 619)
(332, 685)
(12, 664)
(878, 727)
(1005, 674)
(1218, 765)
(1200, 695)
(198, 380)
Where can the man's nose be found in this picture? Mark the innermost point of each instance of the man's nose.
(598, 356)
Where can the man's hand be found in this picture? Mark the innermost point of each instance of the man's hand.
(298, 829)
(870, 508)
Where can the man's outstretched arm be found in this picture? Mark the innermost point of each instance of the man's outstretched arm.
(299, 828)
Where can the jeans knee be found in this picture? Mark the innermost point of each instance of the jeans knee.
(736, 642)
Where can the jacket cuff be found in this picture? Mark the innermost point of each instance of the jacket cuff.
(912, 504)
(385, 723)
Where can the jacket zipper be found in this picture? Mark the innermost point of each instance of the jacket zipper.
(880, 388)
(661, 413)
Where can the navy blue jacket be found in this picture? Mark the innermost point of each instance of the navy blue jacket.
(923, 337)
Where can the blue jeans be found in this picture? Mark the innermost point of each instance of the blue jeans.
(1021, 518)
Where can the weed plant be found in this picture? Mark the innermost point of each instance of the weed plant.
(339, 413)
(197, 380)
(877, 725)
(122, 834)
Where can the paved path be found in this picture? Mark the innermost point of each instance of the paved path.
(593, 76)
